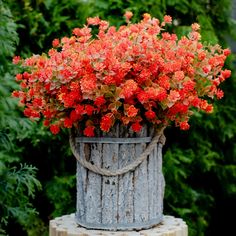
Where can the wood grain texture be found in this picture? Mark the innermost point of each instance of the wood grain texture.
(110, 184)
(93, 186)
(81, 174)
(130, 201)
(141, 192)
(67, 226)
(126, 187)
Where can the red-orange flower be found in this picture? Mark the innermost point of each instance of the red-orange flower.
(150, 114)
(173, 96)
(184, 125)
(46, 123)
(167, 19)
(19, 77)
(99, 101)
(136, 127)
(16, 59)
(68, 123)
(93, 20)
(131, 111)
(137, 71)
(89, 131)
(226, 73)
(129, 88)
(219, 94)
(54, 129)
(88, 85)
(128, 15)
(195, 27)
(89, 109)
(55, 43)
(106, 123)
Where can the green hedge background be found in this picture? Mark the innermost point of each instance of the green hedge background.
(37, 169)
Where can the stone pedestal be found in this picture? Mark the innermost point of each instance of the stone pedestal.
(66, 226)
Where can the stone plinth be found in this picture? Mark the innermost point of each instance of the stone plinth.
(66, 226)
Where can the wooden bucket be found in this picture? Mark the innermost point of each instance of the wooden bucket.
(112, 200)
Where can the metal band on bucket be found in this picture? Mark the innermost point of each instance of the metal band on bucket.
(113, 140)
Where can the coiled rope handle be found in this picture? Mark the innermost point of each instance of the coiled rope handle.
(158, 137)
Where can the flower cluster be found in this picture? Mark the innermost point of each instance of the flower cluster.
(135, 74)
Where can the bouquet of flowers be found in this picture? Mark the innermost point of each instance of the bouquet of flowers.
(135, 74)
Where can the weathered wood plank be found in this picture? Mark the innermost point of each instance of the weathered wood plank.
(141, 184)
(93, 185)
(109, 193)
(161, 179)
(126, 188)
(81, 174)
(152, 184)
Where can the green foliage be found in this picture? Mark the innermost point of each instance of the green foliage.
(39, 22)
(180, 166)
(208, 33)
(8, 36)
(111, 10)
(18, 184)
(199, 165)
(63, 202)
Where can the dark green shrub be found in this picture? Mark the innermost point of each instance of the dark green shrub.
(199, 165)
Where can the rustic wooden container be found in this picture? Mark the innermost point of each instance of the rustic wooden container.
(130, 201)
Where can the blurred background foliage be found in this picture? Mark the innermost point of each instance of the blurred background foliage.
(37, 170)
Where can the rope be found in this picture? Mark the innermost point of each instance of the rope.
(158, 137)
